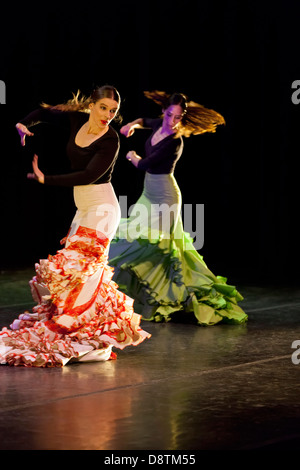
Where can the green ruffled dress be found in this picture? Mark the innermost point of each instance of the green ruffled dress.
(161, 270)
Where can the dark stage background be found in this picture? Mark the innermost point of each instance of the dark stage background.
(239, 58)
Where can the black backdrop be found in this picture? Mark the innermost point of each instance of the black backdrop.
(239, 58)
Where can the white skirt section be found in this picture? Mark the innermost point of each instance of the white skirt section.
(97, 208)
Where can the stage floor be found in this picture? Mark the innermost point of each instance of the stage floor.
(187, 388)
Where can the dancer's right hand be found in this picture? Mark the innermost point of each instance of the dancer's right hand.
(23, 131)
(127, 130)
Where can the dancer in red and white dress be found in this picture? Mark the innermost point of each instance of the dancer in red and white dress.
(80, 313)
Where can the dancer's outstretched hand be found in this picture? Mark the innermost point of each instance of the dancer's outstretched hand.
(127, 130)
(23, 132)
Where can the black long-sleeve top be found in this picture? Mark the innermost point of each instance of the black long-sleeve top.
(162, 157)
(92, 164)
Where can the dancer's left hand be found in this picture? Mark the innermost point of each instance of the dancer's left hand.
(133, 157)
(131, 154)
(37, 174)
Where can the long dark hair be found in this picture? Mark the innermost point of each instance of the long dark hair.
(196, 118)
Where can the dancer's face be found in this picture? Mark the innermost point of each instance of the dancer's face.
(103, 111)
(172, 116)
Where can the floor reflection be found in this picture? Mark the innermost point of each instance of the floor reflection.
(188, 387)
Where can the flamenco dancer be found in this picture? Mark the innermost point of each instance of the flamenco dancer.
(80, 314)
(155, 261)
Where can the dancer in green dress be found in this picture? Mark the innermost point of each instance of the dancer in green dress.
(155, 261)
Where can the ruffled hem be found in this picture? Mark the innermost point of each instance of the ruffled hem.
(168, 282)
(80, 315)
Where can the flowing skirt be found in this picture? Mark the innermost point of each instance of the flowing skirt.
(80, 313)
(156, 263)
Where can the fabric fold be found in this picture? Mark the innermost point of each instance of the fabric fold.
(81, 315)
(165, 274)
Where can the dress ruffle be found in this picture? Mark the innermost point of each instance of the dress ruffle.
(169, 280)
(80, 315)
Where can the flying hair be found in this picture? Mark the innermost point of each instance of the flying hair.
(196, 118)
(80, 102)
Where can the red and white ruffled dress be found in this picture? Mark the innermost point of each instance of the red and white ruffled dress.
(80, 315)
